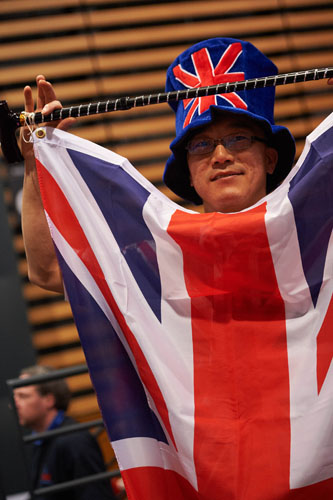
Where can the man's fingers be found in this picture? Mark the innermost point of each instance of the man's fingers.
(24, 131)
(28, 99)
(40, 77)
(66, 123)
(51, 106)
(47, 93)
(47, 102)
(40, 92)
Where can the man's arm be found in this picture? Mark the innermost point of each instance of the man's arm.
(43, 268)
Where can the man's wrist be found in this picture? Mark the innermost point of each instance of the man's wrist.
(29, 162)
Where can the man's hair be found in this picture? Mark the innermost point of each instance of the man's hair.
(59, 388)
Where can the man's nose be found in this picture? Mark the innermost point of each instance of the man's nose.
(221, 154)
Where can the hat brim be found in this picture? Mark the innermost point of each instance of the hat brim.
(176, 174)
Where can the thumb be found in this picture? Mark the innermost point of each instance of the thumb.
(66, 123)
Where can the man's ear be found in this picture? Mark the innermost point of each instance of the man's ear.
(271, 157)
(49, 400)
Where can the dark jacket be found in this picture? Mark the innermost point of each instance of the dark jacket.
(67, 457)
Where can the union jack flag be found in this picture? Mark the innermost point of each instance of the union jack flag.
(206, 74)
(208, 336)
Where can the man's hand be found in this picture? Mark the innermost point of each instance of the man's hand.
(46, 103)
(43, 268)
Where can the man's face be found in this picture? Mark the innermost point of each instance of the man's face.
(32, 407)
(229, 181)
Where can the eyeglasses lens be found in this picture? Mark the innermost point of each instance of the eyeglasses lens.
(207, 145)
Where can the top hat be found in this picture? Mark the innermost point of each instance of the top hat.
(210, 62)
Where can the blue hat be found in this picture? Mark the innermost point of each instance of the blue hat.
(221, 60)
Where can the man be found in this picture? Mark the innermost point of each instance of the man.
(274, 148)
(218, 381)
(65, 457)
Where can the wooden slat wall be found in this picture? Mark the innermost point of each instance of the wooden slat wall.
(97, 49)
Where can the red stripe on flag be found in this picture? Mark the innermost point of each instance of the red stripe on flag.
(186, 78)
(235, 100)
(242, 430)
(229, 58)
(191, 112)
(325, 347)
(154, 483)
(67, 224)
(318, 491)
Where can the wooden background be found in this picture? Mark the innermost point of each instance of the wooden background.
(97, 49)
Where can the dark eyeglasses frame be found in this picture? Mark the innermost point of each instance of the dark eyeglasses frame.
(224, 143)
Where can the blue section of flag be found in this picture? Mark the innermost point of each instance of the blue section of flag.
(111, 185)
(120, 393)
(311, 194)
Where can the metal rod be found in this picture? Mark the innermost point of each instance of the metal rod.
(125, 103)
(68, 429)
(75, 482)
(11, 121)
(47, 377)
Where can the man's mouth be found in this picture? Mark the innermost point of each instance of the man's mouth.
(224, 175)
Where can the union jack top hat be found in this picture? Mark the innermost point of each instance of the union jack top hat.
(213, 61)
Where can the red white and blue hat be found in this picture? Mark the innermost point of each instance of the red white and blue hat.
(221, 60)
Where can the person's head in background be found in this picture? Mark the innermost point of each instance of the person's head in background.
(228, 153)
(38, 405)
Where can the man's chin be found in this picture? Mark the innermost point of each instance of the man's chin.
(24, 423)
(228, 200)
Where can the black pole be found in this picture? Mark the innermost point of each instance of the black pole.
(125, 103)
(10, 121)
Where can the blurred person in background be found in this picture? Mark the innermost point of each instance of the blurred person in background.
(61, 458)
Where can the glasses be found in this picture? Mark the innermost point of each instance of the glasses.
(232, 142)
